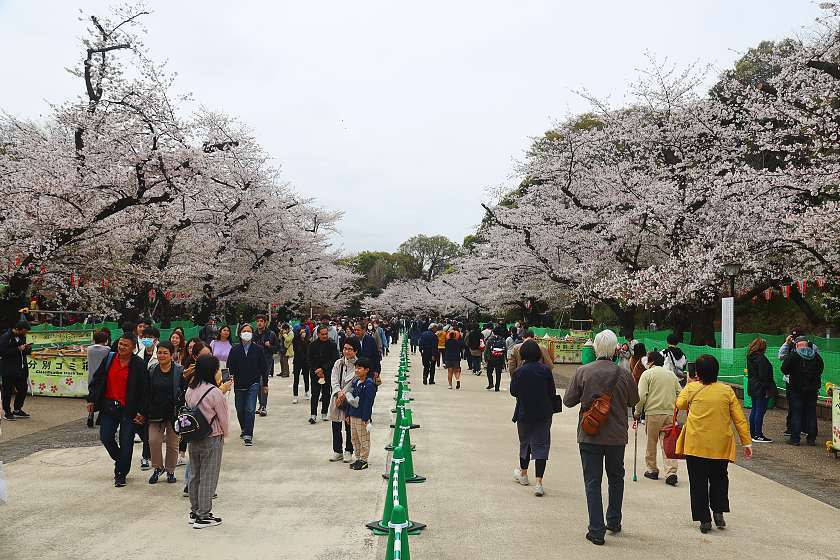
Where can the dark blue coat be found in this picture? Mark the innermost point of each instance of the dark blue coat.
(247, 369)
(533, 386)
(428, 342)
(371, 352)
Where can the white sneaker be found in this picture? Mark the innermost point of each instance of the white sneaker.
(294, 400)
(137, 438)
(324, 417)
(539, 490)
(348, 457)
(181, 461)
(520, 478)
(337, 457)
(307, 395)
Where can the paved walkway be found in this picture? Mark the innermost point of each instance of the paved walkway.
(283, 499)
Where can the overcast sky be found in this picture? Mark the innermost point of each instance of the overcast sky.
(401, 114)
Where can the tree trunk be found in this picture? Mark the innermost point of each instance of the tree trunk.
(581, 311)
(804, 306)
(681, 319)
(703, 326)
(534, 316)
(626, 318)
(627, 322)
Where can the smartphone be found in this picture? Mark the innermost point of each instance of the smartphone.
(225, 375)
(690, 368)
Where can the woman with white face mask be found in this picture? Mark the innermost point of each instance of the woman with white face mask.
(248, 368)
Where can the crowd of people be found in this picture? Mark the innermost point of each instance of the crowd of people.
(143, 389)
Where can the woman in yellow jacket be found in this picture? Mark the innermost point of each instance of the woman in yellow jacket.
(708, 443)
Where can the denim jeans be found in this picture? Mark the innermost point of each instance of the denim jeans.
(245, 401)
(803, 414)
(759, 408)
(269, 363)
(120, 452)
(595, 459)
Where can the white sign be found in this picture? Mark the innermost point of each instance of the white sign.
(727, 323)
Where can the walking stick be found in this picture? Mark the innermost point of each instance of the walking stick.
(635, 448)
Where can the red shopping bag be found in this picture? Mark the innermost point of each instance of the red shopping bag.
(669, 443)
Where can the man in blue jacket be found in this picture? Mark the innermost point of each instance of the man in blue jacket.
(368, 350)
(428, 344)
(248, 367)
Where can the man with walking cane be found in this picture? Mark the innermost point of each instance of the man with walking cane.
(658, 390)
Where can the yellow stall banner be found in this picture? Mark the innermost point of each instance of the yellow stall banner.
(58, 376)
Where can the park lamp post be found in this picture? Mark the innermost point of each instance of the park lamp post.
(732, 269)
(727, 318)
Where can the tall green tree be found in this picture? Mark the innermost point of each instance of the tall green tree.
(432, 254)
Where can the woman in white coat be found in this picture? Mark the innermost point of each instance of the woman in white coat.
(343, 374)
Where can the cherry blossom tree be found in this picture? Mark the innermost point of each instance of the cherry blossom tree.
(120, 192)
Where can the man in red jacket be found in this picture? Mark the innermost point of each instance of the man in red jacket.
(119, 391)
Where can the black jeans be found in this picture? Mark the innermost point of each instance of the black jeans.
(709, 483)
(321, 392)
(497, 366)
(17, 384)
(428, 365)
(803, 414)
(348, 442)
(595, 459)
(120, 452)
(299, 368)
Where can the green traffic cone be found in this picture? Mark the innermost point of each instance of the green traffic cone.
(395, 495)
(410, 476)
(408, 416)
(398, 535)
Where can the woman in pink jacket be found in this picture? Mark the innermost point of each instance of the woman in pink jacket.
(206, 453)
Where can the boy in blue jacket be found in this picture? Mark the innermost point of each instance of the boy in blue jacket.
(360, 396)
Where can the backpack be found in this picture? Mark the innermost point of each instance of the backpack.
(498, 348)
(190, 422)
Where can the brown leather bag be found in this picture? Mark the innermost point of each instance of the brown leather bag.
(598, 412)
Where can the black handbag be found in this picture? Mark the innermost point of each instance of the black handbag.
(557, 404)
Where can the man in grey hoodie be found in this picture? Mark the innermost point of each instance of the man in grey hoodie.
(803, 368)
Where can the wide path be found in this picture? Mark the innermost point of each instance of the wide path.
(283, 499)
(467, 447)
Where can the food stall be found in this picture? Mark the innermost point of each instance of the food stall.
(567, 349)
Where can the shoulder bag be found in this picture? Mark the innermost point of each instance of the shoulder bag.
(598, 412)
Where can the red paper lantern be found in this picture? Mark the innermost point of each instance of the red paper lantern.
(768, 294)
(786, 291)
